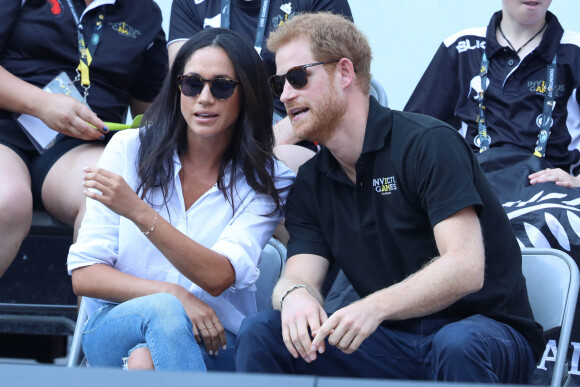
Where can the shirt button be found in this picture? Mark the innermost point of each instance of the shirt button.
(510, 62)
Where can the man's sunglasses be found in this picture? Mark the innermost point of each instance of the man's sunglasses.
(221, 88)
(296, 77)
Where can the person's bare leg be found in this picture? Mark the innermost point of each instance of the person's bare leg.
(140, 359)
(62, 192)
(15, 205)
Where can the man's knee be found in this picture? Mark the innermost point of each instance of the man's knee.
(259, 332)
(260, 325)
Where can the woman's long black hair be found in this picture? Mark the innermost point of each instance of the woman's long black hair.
(164, 128)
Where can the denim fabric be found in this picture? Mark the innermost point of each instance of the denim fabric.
(475, 349)
(158, 320)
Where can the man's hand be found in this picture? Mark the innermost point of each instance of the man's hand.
(347, 328)
(556, 175)
(301, 311)
(68, 116)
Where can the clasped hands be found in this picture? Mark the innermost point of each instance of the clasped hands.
(346, 329)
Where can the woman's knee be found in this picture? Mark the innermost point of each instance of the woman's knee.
(167, 310)
(140, 359)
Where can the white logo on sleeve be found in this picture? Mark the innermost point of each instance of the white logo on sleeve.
(286, 8)
(214, 22)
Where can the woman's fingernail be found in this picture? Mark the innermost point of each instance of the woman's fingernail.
(210, 352)
(225, 347)
(102, 137)
(105, 129)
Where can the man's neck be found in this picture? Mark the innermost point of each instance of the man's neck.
(347, 141)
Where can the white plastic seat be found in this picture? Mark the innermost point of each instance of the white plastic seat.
(552, 281)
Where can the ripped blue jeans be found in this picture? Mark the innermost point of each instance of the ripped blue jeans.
(157, 322)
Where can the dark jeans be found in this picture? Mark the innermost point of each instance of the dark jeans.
(476, 349)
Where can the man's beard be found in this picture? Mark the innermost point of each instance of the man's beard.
(323, 118)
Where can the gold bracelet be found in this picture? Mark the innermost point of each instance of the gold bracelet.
(291, 289)
(153, 226)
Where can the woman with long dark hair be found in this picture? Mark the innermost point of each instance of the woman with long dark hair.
(182, 209)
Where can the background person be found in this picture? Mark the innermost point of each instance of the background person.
(176, 265)
(38, 40)
(520, 43)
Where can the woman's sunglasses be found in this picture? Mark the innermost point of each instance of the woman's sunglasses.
(221, 88)
(296, 77)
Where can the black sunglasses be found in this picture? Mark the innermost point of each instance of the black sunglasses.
(221, 88)
(296, 77)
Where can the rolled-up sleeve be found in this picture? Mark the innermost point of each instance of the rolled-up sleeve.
(244, 238)
(98, 238)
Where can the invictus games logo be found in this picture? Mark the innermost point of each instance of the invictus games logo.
(125, 29)
(385, 185)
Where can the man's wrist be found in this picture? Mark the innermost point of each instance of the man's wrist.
(291, 289)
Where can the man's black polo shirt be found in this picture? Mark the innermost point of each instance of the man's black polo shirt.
(414, 171)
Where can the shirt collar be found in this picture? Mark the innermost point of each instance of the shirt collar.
(548, 45)
(97, 3)
(379, 124)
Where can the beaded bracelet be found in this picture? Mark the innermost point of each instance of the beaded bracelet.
(291, 289)
(153, 226)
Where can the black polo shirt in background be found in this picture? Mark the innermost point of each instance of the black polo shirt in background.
(414, 171)
(39, 40)
(514, 99)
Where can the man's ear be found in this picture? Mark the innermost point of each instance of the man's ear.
(346, 70)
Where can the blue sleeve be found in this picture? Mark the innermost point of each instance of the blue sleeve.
(8, 17)
(153, 69)
(443, 174)
(438, 90)
(302, 222)
(335, 6)
(186, 19)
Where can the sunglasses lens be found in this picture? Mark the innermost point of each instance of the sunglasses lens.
(277, 84)
(191, 85)
(297, 77)
(223, 88)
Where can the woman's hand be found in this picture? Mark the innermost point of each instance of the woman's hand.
(206, 325)
(556, 175)
(68, 116)
(115, 193)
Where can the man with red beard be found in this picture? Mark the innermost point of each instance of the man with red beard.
(398, 202)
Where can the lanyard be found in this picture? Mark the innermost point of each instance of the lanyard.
(260, 31)
(540, 149)
(85, 56)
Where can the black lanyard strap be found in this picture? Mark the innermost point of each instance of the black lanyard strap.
(86, 53)
(549, 105)
(263, 16)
